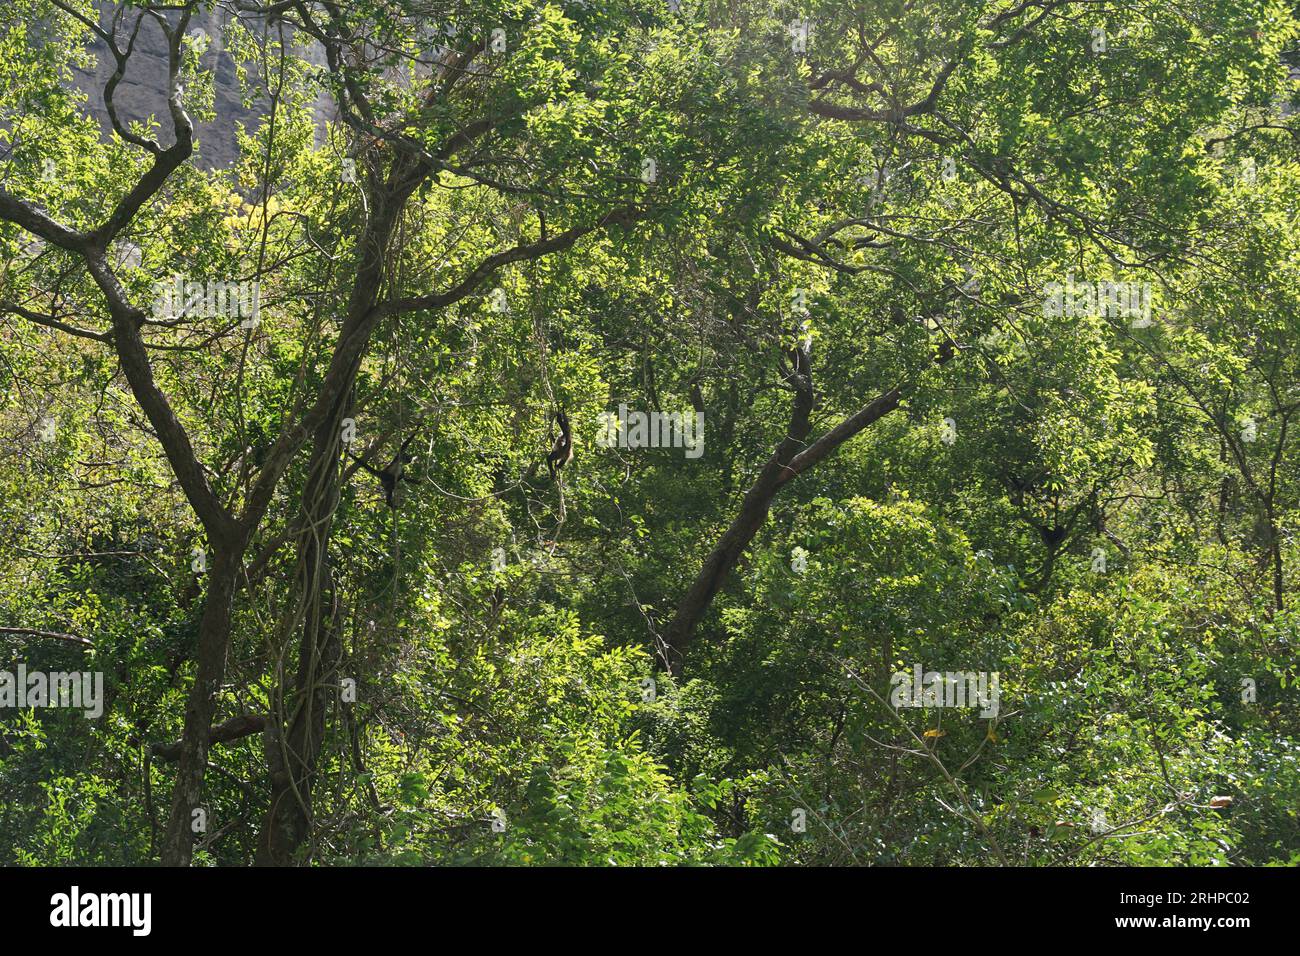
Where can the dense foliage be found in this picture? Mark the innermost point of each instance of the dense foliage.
(990, 311)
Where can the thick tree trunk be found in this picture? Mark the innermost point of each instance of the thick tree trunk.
(293, 746)
(724, 556)
(788, 461)
(214, 639)
(296, 726)
(1275, 560)
(753, 512)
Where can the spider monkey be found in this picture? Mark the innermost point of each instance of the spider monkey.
(562, 450)
(394, 472)
(1052, 536)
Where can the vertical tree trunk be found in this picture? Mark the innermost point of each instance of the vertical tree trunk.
(1275, 559)
(214, 639)
(293, 746)
(296, 726)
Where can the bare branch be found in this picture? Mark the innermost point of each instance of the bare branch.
(53, 635)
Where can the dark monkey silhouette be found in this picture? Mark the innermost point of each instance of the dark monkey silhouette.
(395, 470)
(562, 450)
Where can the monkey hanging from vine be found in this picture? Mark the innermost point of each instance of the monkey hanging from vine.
(562, 448)
(394, 471)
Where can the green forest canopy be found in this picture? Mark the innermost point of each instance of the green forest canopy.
(978, 323)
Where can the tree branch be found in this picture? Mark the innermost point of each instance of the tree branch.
(53, 635)
(235, 728)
